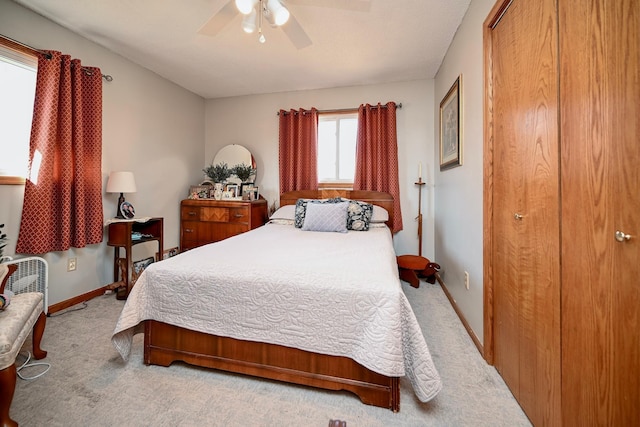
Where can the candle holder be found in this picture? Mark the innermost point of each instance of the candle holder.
(420, 183)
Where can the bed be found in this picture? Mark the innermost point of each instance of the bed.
(286, 304)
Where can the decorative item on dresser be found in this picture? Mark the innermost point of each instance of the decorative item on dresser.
(207, 221)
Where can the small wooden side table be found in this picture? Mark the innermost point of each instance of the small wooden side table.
(120, 236)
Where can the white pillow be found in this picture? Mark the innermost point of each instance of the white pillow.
(284, 212)
(380, 214)
(326, 217)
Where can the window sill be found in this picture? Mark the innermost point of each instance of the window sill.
(11, 180)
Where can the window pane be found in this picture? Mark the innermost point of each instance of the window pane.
(326, 150)
(348, 129)
(337, 147)
(17, 86)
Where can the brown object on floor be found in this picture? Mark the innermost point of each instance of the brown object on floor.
(412, 267)
(337, 423)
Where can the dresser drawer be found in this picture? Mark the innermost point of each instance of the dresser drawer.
(190, 230)
(239, 214)
(190, 213)
(214, 214)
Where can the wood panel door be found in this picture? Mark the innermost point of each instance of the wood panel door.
(524, 229)
(600, 132)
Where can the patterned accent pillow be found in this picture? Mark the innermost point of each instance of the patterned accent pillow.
(359, 215)
(301, 208)
(326, 217)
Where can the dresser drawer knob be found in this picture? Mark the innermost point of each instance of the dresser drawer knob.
(238, 215)
(188, 230)
(192, 213)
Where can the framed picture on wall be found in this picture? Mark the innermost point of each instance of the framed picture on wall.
(450, 130)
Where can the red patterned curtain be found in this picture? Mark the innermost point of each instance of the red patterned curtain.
(298, 150)
(377, 154)
(63, 192)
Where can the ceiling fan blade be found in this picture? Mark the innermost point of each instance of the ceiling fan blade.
(296, 33)
(220, 20)
(355, 5)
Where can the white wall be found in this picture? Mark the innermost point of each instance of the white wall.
(150, 126)
(459, 191)
(252, 121)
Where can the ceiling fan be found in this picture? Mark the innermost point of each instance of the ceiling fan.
(276, 14)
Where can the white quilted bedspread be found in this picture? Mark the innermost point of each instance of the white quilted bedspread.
(330, 293)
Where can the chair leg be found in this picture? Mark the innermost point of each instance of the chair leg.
(7, 388)
(38, 331)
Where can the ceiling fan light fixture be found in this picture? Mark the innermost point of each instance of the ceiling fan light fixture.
(246, 6)
(249, 22)
(278, 11)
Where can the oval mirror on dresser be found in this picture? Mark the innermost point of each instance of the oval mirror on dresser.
(234, 155)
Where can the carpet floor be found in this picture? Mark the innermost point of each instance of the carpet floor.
(89, 384)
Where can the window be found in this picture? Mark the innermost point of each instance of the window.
(17, 86)
(337, 148)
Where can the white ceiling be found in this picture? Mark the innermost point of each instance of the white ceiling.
(385, 41)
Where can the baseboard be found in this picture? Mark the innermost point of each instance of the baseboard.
(472, 334)
(63, 305)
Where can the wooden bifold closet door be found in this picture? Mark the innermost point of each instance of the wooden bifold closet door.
(562, 207)
(526, 242)
(600, 132)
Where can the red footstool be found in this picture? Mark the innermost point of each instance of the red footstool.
(412, 267)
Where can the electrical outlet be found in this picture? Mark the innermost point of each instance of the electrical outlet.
(466, 280)
(71, 264)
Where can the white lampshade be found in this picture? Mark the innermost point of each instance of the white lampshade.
(245, 6)
(121, 182)
(279, 12)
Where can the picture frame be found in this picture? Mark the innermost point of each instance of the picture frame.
(246, 188)
(232, 189)
(139, 267)
(127, 210)
(255, 194)
(167, 253)
(450, 127)
(200, 191)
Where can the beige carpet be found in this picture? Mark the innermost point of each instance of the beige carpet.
(89, 385)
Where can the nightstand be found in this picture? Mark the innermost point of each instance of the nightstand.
(120, 236)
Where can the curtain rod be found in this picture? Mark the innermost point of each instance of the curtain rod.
(345, 110)
(25, 48)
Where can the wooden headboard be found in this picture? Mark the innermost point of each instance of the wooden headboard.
(384, 200)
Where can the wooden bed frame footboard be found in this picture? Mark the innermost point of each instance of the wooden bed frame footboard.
(164, 344)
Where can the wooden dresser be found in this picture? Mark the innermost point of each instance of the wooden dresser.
(207, 221)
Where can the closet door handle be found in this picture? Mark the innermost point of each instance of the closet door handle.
(621, 236)
(517, 216)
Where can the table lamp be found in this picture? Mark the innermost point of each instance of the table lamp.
(121, 182)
